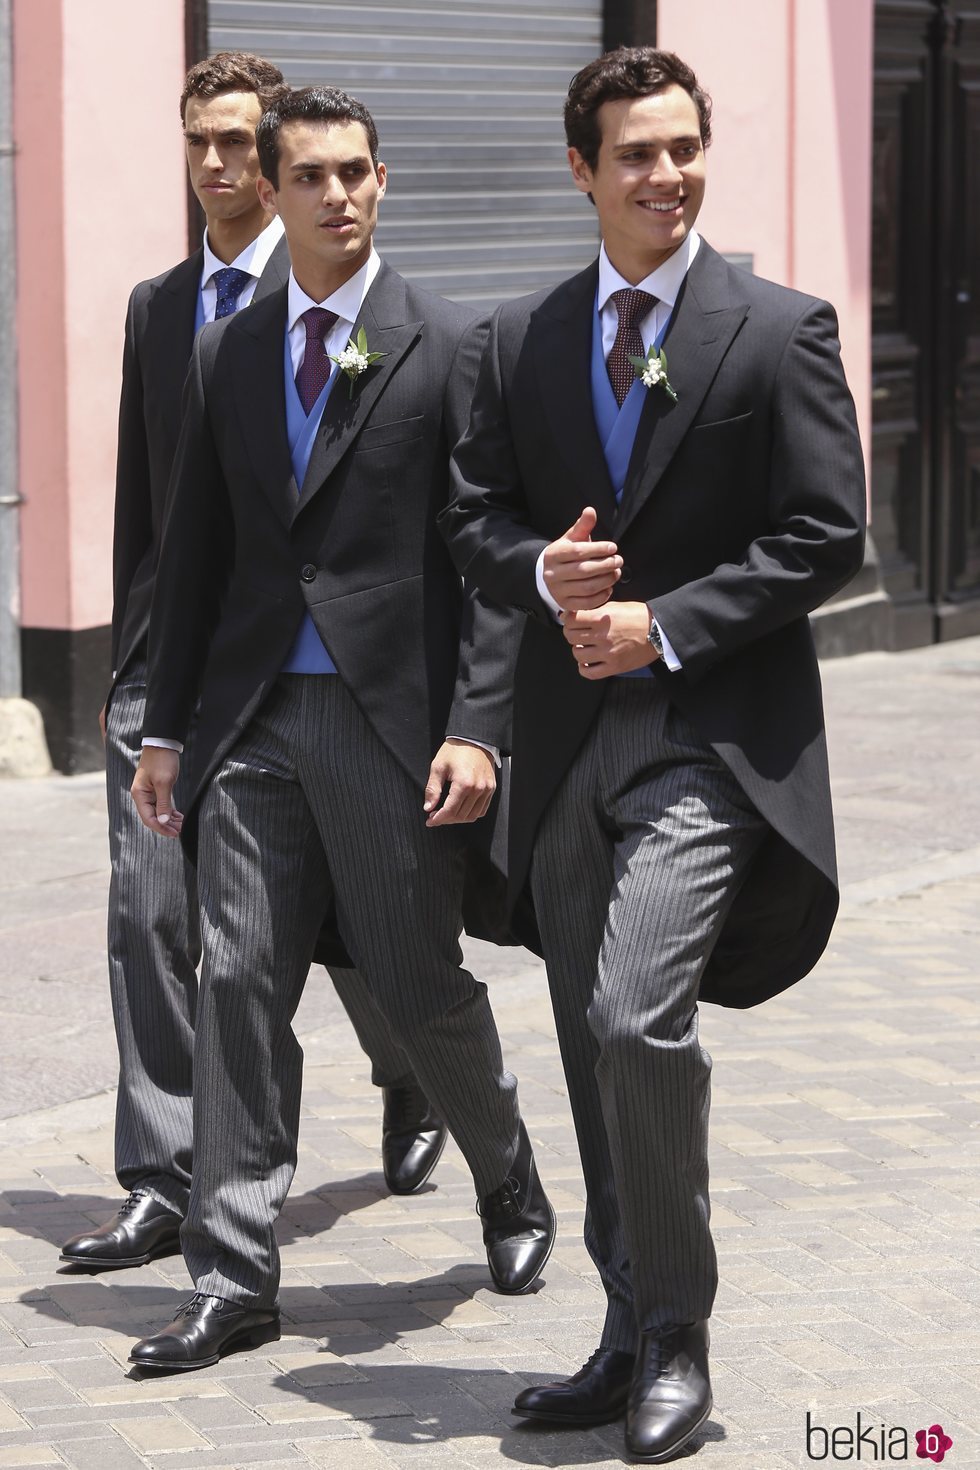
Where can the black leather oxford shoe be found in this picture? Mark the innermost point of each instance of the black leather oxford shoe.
(412, 1138)
(142, 1230)
(670, 1397)
(596, 1394)
(204, 1329)
(518, 1224)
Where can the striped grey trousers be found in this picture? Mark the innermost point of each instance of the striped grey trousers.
(309, 802)
(154, 948)
(636, 863)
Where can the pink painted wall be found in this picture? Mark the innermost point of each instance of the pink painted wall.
(789, 171)
(100, 205)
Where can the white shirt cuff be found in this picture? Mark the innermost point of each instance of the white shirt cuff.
(163, 744)
(543, 592)
(670, 657)
(491, 750)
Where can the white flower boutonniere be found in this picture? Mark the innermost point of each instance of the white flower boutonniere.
(652, 371)
(356, 359)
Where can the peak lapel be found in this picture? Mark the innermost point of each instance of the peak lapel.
(256, 353)
(562, 354)
(702, 328)
(276, 272)
(383, 316)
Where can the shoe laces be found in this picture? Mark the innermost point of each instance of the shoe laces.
(136, 1197)
(504, 1201)
(406, 1108)
(196, 1304)
(666, 1346)
(590, 1362)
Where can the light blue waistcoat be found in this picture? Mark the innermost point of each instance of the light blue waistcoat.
(307, 655)
(617, 423)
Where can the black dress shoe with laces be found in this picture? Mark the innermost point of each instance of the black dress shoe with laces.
(518, 1224)
(670, 1397)
(142, 1230)
(596, 1394)
(412, 1138)
(204, 1329)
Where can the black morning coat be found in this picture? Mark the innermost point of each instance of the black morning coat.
(743, 510)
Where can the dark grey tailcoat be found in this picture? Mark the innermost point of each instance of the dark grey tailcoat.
(744, 509)
(159, 338)
(246, 551)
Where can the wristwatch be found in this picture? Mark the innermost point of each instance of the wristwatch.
(653, 637)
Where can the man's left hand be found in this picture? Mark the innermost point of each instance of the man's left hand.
(609, 640)
(471, 776)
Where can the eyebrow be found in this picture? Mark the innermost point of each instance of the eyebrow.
(192, 133)
(656, 143)
(302, 168)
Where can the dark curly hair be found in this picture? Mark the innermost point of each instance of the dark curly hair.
(233, 71)
(629, 71)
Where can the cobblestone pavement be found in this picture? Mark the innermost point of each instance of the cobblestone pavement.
(845, 1165)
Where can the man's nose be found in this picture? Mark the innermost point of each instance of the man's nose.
(333, 190)
(212, 159)
(665, 170)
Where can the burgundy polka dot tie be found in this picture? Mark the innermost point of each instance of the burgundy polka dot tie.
(631, 307)
(314, 370)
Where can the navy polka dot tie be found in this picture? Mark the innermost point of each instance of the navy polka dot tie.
(230, 283)
(314, 370)
(631, 307)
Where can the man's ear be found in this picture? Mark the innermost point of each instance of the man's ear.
(382, 174)
(581, 172)
(267, 194)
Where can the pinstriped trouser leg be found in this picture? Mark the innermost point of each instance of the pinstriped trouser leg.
(389, 1064)
(638, 859)
(154, 948)
(309, 799)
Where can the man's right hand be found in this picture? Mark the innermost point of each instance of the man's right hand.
(581, 573)
(152, 790)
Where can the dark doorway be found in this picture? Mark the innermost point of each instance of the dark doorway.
(926, 316)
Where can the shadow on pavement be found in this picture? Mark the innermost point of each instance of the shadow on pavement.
(45, 1214)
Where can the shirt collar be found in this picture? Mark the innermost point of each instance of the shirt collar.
(346, 301)
(253, 259)
(664, 283)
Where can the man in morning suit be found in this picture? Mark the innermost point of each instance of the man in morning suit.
(667, 528)
(154, 937)
(350, 703)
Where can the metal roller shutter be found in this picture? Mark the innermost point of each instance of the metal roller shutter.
(467, 95)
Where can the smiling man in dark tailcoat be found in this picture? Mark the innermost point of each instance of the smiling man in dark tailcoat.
(667, 522)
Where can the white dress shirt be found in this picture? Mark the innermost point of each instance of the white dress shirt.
(664, 283)
(254, 259)
(346, 301)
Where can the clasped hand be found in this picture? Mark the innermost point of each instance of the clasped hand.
(606, 637)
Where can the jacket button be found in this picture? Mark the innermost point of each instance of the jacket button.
(625, 575)
(308, 574)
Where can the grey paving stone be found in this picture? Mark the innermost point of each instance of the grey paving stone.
(845, 1166)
